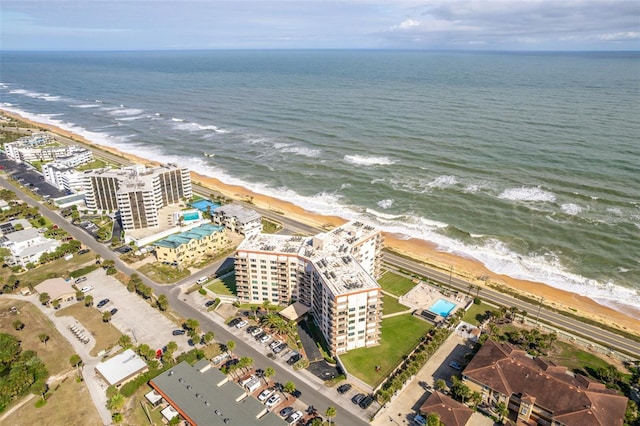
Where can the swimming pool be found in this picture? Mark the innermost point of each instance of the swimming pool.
(190, 216)
(442, 307)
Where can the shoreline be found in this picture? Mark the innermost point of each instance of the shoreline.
(626, 318)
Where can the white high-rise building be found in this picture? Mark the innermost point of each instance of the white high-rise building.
(331, 273)
(137, 192)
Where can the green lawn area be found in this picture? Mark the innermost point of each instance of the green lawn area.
(225, 285)
(476, 312)
(57, 268)
(95, 164)
(391, 305)
(395, 284)
(270, 227)
(575, 358)
(400, 334)
(164, 274)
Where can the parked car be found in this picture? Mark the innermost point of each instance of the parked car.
(286, 412)
(344, 388)
(274, 344)
(294, 358)
(102, 303)
(455, 365)
(294, 417)
(296, 393)
(256, 331)
(209, 303)
(86, 289)
(81, 280)
(241, 324)
(279, 348)
(83, 251)
(265, 338)
(234, 322)
(202, 280)
(265, 394)
(366, 402)
(178, 332)
(357, 398)
(114, 311)
(272, 401)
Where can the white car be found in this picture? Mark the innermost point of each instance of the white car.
(242, 324)
(86, 289)
(256, 331)
(294, 417)
(202, 280)
(274, 400)
(265, 394)
(275, 344)
(265, 338)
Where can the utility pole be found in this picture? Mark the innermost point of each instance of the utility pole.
(538, 314)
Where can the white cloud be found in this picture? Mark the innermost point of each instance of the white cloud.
(406, 24)
(629, 35)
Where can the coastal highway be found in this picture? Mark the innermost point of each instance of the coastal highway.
(573, 326)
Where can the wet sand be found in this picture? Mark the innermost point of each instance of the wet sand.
(627, 318)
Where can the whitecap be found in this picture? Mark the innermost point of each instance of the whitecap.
(300, 150)
(443, 181)
(345, 186)
(527, 193)
(361, 160)
(615, 211)
(85, 106)
(126, 111)
(385, 204)
(179, 120)
(571, 209)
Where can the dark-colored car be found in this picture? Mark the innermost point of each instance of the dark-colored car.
(344, 388)
(293, 359)
(234, 322)
(83, 251)
(279, 348)
(286, 411)
(113, 311)
(357, 398)
(296, 393)
(81, 279)
(366, 402)
(178, 332)
(102, 303)
(209, 303)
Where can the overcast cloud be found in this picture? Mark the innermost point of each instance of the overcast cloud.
(394, 24)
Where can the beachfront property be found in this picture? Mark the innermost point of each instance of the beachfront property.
(238, 219)
(191, 246)
(537, 391)
(26, 246)
(332, 274)
(450, 411)
(137, 192)
(64, 177)
(203, 395)
(32, 149)
(12, 149)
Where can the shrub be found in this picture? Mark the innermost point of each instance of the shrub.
(477, 300)
(202, 291)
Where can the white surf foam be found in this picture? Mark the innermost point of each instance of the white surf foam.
(300, 150)
(443, 181)
(528, 193)
(84, 106)
(571, 209)
(126, 111)
(385, 204)
(361, 160)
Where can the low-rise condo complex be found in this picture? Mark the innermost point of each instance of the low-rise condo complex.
(331, 273)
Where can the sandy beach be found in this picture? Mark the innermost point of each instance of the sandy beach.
(626, 318)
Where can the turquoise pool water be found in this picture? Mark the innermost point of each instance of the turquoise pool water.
(190, 216)
(442, 307)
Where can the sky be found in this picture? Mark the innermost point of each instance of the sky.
(548, 25)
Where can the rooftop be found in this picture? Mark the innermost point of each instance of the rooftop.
(205, 395)
(198, 233)
(120, 367)
(55, 287)
(242, 214)
(451, 412)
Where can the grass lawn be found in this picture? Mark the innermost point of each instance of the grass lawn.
(105, 333)
(395, 284)
(391, 305)
(95, 164)
(575, 358)
(400, 334)
(55, 353)
(269, 227)
(135, 414)
(225, 285)
(476, 312)
(53, 269)
(68, 404)
(164, 274)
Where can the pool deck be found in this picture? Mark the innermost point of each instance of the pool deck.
(423, 296)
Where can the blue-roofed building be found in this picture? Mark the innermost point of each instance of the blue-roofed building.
(191, 246)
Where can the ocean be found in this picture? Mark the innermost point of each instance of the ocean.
(527, 162)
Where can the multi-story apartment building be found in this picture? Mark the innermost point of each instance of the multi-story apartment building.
(238, 219)
(331, 273)
(190, 246)
(12, 149)
(137, 192)
(32, 149)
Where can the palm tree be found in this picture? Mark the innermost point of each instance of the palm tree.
(290, 388)
(76, 361)
(440, 385)
(124, 341)
(269, 372)
(43, 338)
(265, 305)
(330, 414)
(230, 346)
(502, 410)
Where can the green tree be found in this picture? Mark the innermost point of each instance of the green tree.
(44, 298)
(191, 324)
(459, 390)
(117, 418)
(269, 372)
(207, 337)
(440, 385)
(56, 304)
(290, 388)
(9, 349)
(44, 337)
(106, 316)
(124, 341)
(40, 388)
(76, 362)
(265, 305)
(476, 399)
(162, 302)
(330, 414)
(631, 414)
(18, 325)
(502, 410)
(433, 419)
(88, 300)
(230, 346)
(116, 402)
(79, 295)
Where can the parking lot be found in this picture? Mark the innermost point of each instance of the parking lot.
(134, 317)
(30, 178)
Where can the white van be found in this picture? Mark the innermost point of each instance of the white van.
(202, 280)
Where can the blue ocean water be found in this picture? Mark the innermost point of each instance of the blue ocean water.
(528, 162)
